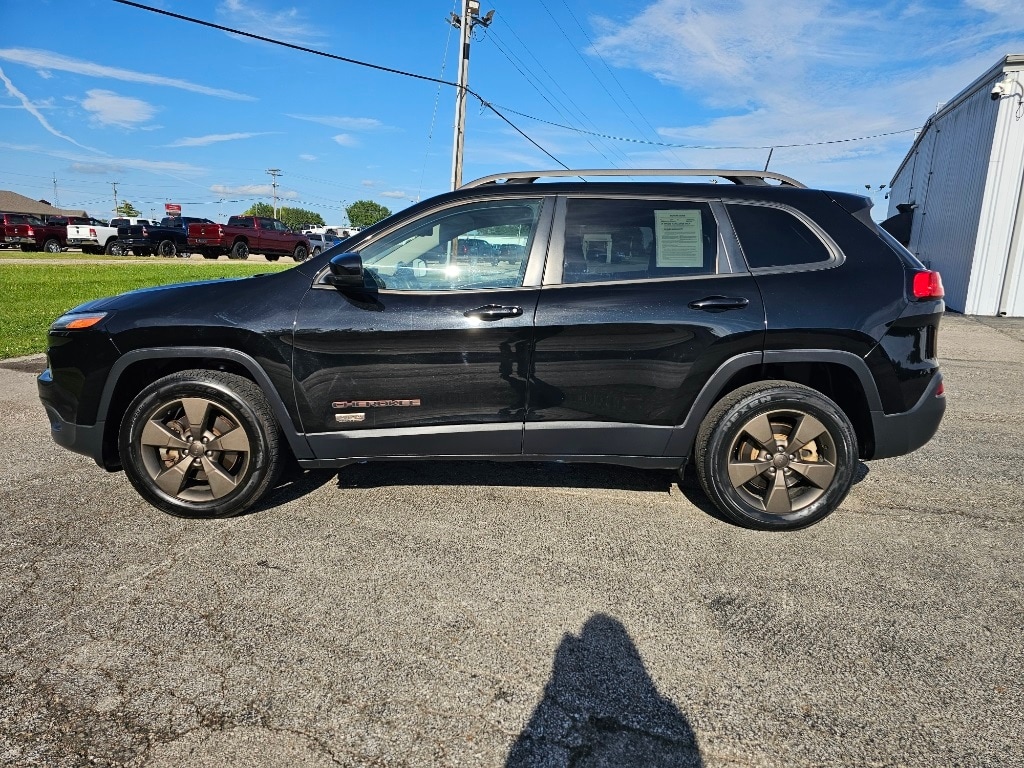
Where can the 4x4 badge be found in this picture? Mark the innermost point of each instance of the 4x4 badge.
(375, 403)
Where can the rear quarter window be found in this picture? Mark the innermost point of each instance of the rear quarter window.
(773, 238)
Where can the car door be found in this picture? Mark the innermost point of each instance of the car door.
(432, 357)
(642, 301)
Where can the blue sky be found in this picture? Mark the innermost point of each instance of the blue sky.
(94, 92)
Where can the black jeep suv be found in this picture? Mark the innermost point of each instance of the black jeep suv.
(770, 334)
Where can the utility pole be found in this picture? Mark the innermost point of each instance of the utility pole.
(465, 23)
(275, 172)
(56, 197)
(114, 185)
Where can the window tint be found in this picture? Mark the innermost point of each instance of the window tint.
(472, 247)
(614, 239)
(772, 237)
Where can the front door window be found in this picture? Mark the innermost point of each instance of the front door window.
(473, 247)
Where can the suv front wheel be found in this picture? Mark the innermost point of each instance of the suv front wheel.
(776, 455)
(201, 444)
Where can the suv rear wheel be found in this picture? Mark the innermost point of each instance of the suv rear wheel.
(201, 444)
(776, 455)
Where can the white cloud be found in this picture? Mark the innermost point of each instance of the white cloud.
(368, 183)
(307, 157)
(31, 57)
(45, 74)
(996, 6)
(252, 190)
(155, 166)
(34, 111)
(345, 123)
(213, 138)
(109, 108)
(398, 195)
(282, 25)
(799, 72)
(98, 169)
(346, 140)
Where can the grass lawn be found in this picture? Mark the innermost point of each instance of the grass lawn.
(34, 295)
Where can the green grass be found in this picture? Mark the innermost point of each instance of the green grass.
(34, 295)
(9, 253)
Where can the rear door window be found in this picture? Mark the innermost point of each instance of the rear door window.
(612, 240)
(772, 237)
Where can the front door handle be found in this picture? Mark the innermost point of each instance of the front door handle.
(493, 312)
(719, 303)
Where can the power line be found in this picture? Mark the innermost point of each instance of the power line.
(304, 49)
(707, 146)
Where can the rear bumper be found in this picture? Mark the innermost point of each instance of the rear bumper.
(901, 433)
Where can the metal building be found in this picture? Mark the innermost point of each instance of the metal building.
(957, 200)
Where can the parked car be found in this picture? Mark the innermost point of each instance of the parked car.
(768, 335)
(321, 242)
(22, 230)
(95, 236)
(243, 235)
(169, 238)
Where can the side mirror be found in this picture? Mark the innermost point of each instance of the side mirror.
(346, 271)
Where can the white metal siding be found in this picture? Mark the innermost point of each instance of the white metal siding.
(997, 271)
(947, 182)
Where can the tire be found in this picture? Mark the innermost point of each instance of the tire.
(140, 252)
(25, 248)
(114, 248)
(52, 245)
(235, 441)
(239, 250)
(316, 251)
(167, 249)
(209, 255)
(776, 455)
(301, 253)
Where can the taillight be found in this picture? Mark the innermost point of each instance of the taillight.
(145, 232)
(92, 232)
(30, 232)
(927, 285)
(220, 231)
(940, 391)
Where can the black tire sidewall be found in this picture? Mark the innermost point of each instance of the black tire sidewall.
(715, 458)
(167, 390)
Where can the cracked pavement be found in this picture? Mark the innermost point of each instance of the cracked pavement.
(474, 614)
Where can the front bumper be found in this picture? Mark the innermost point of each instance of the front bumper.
(902, 433)
(79, 438)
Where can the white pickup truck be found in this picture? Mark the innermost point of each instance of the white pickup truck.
(97, 237)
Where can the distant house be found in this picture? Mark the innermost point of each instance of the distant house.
(957, 200)
(12, 202)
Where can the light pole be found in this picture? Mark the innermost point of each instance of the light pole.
(465, 23)
(274, 173)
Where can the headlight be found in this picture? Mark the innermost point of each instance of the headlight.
(78, 321)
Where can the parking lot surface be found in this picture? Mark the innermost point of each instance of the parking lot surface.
(476, 614)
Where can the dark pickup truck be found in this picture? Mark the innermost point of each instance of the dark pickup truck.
(168, 238)
(31, 233)
(243, 235)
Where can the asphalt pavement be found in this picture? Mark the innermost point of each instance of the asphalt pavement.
(475, 614)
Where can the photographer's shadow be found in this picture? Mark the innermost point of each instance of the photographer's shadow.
(601, 708)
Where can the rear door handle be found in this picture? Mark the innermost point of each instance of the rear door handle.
(719, 303)
(493, 312)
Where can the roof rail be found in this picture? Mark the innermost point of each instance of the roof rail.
(751, 178)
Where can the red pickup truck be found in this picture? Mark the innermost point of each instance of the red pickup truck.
(32, 234)
(243, 235)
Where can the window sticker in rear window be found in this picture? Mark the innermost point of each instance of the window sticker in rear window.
(679, 238)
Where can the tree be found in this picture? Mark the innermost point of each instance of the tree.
(126, 209)
(260, 209)
(363, 213)
(297, 218)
